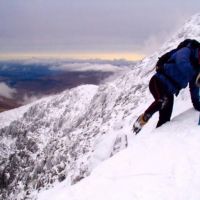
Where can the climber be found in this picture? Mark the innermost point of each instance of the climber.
(174, 70)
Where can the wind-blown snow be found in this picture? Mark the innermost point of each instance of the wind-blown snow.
(66, 137)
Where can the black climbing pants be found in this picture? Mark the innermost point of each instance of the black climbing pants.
(163, 101)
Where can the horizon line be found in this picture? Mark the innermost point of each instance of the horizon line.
(81, 56)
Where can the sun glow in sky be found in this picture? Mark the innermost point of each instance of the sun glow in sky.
(92, 55)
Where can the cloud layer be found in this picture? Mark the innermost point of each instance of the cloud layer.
(6, 91)
(88, 67)
(89, 26)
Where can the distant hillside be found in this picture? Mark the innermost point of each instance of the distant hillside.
(7, 104)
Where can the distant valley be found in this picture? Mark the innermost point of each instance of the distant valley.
(26, 81)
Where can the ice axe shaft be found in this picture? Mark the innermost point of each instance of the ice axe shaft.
(199, 119)
(199, 101)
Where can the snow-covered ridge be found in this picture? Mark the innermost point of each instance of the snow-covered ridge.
(9, 116)
(62, 137)
(38, 146)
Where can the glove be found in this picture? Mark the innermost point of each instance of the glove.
(197, 82)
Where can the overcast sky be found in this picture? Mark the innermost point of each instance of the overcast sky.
(90, 26)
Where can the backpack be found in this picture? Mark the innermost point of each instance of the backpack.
(165, 58)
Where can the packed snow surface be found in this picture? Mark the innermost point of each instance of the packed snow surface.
(161, 163)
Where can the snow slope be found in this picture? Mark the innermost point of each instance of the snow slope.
(65, 137)
(9, 116)
(27, 144)
(158, 164)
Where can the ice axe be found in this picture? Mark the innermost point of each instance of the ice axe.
(199, 101)
(198, 84)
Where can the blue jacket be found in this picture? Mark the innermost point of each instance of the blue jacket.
(179, 71)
